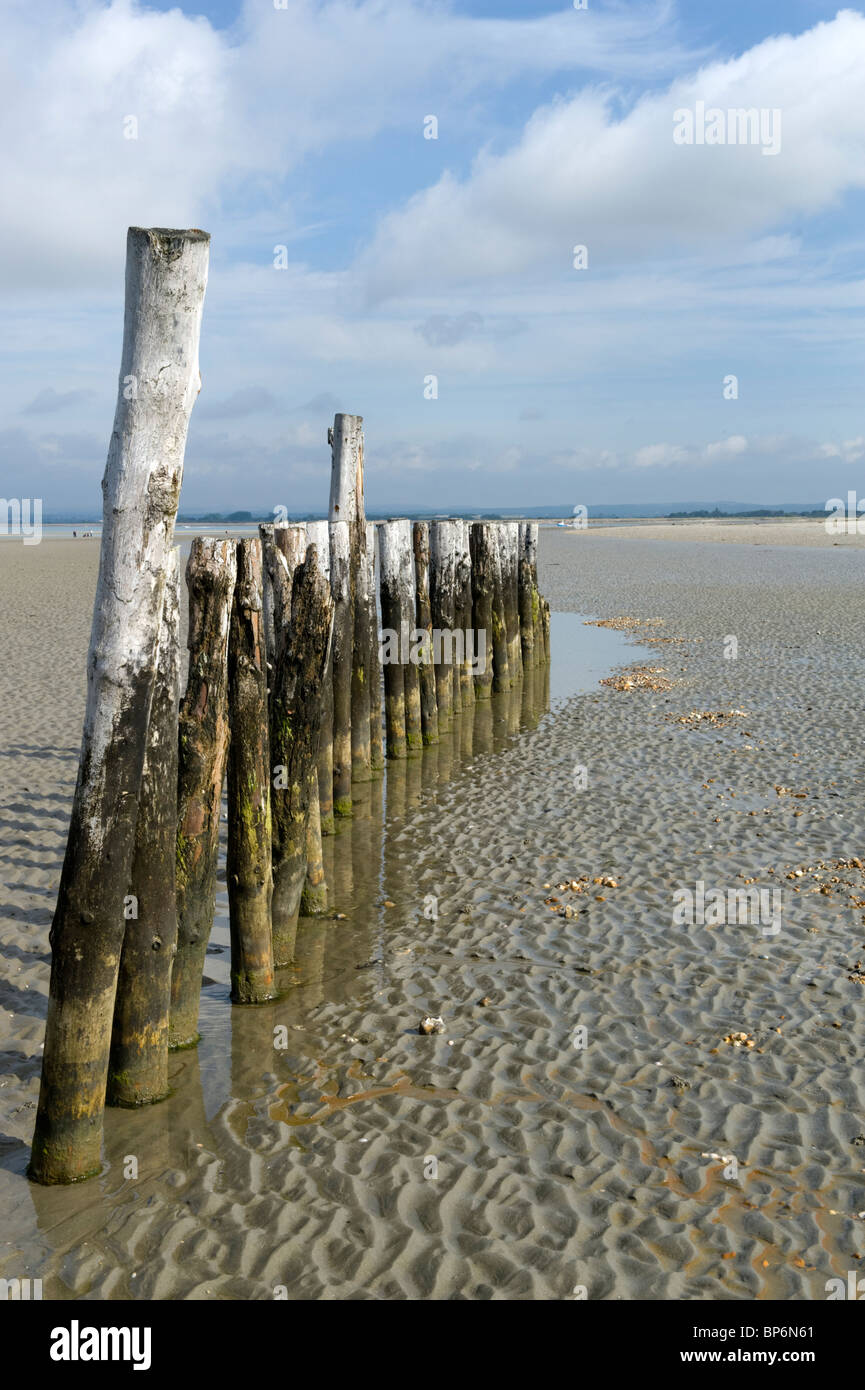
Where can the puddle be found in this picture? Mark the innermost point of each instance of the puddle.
(581, 655)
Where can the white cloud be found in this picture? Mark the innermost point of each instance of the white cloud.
(582, 175)
(222, 117)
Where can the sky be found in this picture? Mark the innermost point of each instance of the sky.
(705, 345)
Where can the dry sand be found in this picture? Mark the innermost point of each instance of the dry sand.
(310, 1165)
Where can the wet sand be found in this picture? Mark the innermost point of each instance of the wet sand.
(321, 1146)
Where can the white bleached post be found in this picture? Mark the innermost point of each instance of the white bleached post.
(166, 277)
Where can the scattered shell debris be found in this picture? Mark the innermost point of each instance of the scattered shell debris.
(625, 624)
(740, 1040)
(431, 1024)
(640, 678)
(578, 886)
(718, 718)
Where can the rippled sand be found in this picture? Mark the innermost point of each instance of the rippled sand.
(357, 1159)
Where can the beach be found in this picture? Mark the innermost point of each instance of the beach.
(622, 1104)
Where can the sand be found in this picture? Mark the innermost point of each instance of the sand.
(320, 1147)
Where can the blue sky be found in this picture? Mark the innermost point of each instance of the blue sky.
(408, 257)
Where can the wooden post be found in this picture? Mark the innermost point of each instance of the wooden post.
(390, 555)
(545, 627)
(463, 612)
(166, 276)
(376, 730)
(318, 534)
(528, 548)
(248, 870)
(408, 609)
(483, 542)
(509, 535)
(343, 645)
(277, 595)
(138, 1065)
(211, 572)
(347, 504)
(423, 619)
(313, 899)
(292, 541)
(295, 730)
(501, 666)
(442, 577)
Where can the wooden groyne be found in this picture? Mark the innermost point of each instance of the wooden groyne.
(297, 697)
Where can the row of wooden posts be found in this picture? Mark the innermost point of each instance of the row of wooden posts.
(282, 706)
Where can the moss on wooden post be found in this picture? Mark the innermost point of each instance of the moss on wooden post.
(294, 748)
(211, 571)
(138, 1064)
(423, 619)
(442, 578)
(248, 865)
(482, 541)
(376, 720)
(392, 656)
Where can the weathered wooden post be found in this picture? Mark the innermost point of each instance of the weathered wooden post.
(313, 899)
(138, 1064)
(318, 534)
(408, 647)
(483, 542)
(347, 504)
(166, 276)
(528, 550)
(277, 595)
(376, 730)
(295, 730)
(343, 646)
(501, 666)
(292, 540)
(463, 613)
(211, 573)
(423, 620)
(442, 578)
(390, 557)
(248, 866)
(545, 627)
(509, 537)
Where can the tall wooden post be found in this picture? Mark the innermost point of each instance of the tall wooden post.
(423, 619)
(295, 729)
(166, 276)
(248, 868)
(483, 544)
(343, 646)
(138, 1065)
(390, 555)
(211, 572)
(318, 534)
(347, 504)
(376, 727)
(442, 579)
